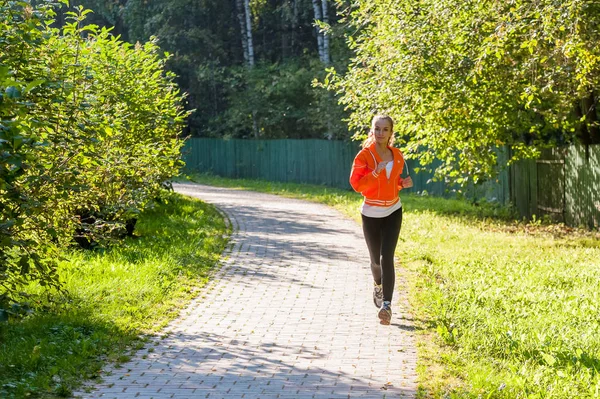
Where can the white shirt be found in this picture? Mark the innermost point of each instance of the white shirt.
(379, 211)
(388, 168)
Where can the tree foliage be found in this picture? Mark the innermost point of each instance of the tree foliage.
(464, 77)
(280, 99)
(88, 133)
(206, 40)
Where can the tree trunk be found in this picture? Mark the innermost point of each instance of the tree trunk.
(284, 33)
(294, 27)
(318, 17)
(326, 57)
(246, 28)
(591, 118)
(249, 33)
(589, 131)
(255, 123)
(241, 17)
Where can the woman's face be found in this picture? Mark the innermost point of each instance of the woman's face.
(382, 131)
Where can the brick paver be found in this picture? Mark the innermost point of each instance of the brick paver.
(289, 315)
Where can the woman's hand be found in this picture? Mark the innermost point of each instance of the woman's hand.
(407, 183)
(381, 166)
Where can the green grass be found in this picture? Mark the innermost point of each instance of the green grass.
(506, 309)
(115, 298)
(518, 307)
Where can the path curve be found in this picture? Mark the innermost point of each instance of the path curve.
(289, 315)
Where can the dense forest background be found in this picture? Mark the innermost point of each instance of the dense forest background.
(261, 90)
(460, 79)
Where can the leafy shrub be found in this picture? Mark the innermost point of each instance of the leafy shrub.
(88, 126)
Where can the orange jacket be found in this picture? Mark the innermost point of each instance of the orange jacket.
(377, 189)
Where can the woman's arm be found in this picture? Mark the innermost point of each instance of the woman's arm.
(362, 177)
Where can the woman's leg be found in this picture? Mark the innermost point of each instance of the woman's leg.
(390, 230)
(372, 232)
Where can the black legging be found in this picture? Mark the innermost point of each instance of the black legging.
(381, 235)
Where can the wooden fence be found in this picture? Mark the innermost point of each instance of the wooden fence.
(564, 184)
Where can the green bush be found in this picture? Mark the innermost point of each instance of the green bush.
(88, 130)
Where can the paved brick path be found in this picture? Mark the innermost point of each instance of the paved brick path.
(289, 315)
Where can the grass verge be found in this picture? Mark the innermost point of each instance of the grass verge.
(114, 298)
(506, 309)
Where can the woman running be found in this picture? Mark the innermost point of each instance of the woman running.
(376, 174)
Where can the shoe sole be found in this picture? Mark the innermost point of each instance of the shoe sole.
(384, 317)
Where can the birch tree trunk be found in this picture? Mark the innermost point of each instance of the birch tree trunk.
(246, 28)
(241, 17)
(317, 7)
(249, 33)
(326, 57)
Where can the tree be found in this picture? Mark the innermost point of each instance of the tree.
(241, 13)
(211, 41)
(202, 37)
(326, 52)
(89, 130)
(321, 11)
(462, 78)
(249, 33)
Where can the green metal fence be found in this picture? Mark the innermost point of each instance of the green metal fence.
(564, 184)
(302, 161)
(324, 162)
(582, 186)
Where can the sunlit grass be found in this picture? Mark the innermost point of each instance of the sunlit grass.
(516, 307)
(114, 296)
(506, 309)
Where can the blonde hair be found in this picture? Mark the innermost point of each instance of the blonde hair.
(370, 139)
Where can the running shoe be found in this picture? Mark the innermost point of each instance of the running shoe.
(385, 313)
(378, 295)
